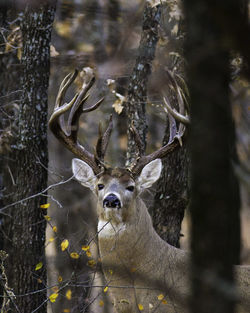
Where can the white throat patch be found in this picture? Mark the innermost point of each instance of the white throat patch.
(107, 229)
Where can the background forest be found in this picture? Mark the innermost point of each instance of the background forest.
(144, 55)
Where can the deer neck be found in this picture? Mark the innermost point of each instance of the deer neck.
(133, 236)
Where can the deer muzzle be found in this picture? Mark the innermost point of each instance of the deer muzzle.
(112, 202)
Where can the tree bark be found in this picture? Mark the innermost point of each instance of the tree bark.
(172, 197)
(29, 162)
(137, 89)
(215, 203)
(9, 93)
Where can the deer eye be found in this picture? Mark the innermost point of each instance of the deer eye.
(100, 186)
(131, 188)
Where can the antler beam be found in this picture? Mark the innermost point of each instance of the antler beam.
(175, 137)
(67, 134)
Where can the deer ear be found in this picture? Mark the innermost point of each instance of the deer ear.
(83, 173)
(149, 174)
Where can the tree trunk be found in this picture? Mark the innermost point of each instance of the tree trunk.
(215, 234)
(9, 93)
(137, 89)
(28, 164)
(171, 197)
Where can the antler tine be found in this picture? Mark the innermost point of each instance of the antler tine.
(175, 137)
(67, 81)
(159, 154)
(178, 116)
(103, 140)
(68, 135)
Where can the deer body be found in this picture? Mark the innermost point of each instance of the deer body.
(135, 256)
(140, 268)
(143, 272)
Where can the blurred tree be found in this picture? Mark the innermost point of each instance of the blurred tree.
(28, 165)
(215, 201)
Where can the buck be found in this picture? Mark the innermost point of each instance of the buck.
(143, 272)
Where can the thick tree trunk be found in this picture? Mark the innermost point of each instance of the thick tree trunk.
(215, 203)
(171, 198)
(137, 90)
(9, 93)
(29, 163)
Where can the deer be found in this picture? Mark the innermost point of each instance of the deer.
(143, 272)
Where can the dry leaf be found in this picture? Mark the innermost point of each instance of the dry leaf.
(53, 52)
(117, 105)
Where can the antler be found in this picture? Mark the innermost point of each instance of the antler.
(175, 135)
(67, 134)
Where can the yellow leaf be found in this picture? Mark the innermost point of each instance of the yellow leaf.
(85, 47)
(8, 47)
(105, 289)
(45, 206)
(133, 269)
(140, 307)
(63, 28)
(19, 53)
(160, 297)
(110, 272)
(54, 229)
(53, 297)
(64, 244)
(39, 266)
(66, 310)
(59, 279)
(51, 239)
(69, 294)
(85, 248)
(47, 217)
(39, 280)
(91, 263)
(101, 303)
(88, 253)
(55, 289)
(74, 255)
(164, 301)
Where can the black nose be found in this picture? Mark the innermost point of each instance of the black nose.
(111, 201)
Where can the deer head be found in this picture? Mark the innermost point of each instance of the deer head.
(116, 188)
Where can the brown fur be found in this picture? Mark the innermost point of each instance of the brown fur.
(140, 267)
(141, 270)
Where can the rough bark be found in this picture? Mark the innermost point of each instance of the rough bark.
(137, 89)
(28, 164)
(215, 235)
(9, 86)
(172, 197)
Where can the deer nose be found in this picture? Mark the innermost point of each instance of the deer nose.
(112, 201)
